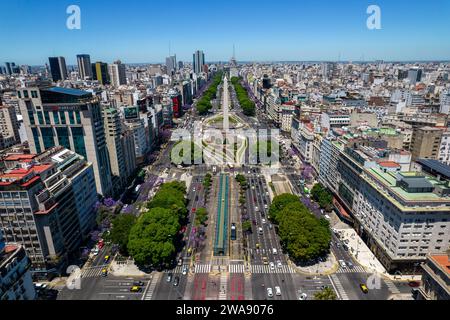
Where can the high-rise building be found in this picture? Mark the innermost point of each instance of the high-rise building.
(70, 118)
(16, 282)
(426, 142)
(180, 65)
(10, 67)
(100, 73)
(9, 126)
(129, 154)
(414, 75)
(51, 207)
(171, 64)
(58, 68)
(199, 61)
(113, 133)
(117, 74)
(84, 66)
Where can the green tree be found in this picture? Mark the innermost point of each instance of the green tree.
(325, 294)
(303, 235)
(279, 202)
(201, 216)
(120, 232)
(151, 240)
(323, 196)
(247, 226)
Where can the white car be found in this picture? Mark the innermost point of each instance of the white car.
(272, 266)
(278, 291)
(279, 265)
(269, 292)
(263, 221)
(342, 263)
(274, 251)
(185, 270)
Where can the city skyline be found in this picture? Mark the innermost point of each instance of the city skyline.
(293, 31)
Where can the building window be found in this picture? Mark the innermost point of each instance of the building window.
(48, 138)
(19, 94)
(34, 94)
(36, 139)
(71, 117)
(78, 117)
(63, 137)
(25, 94)
(56, 117)
(40, 117)
(62, 115)
(31, 117)
(78, 141)
(47, 117)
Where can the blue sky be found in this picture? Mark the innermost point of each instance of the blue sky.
(140, 31)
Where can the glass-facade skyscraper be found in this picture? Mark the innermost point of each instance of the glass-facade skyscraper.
(69, 118)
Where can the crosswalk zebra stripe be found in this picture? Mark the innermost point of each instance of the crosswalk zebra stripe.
(266, 269)
(148, 295)
(391, 286)
(202, 268)
(339, 287)
(356, 269)
(223, 287)
(236, 268)
(92, 272)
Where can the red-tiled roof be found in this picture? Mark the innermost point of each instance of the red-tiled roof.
(389, 164)
(443, 261)
(16, 157)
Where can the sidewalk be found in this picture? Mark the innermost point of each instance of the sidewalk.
(329, 266)
(126, 269)
(359, 250)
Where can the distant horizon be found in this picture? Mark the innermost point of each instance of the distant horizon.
(288, 30)
(268, 61)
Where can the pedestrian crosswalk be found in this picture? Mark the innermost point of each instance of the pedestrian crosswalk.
(178, 269)
(355, 269)
(202, 268)
(267, 269)
(151, 287)
(223, 286)
(391, 286)
(92, 272)
(236, 268)
(338, 286)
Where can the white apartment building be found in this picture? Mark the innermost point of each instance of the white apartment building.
(15, 277)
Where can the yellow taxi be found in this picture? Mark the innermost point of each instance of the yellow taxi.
(135, 289)
(364, 288)
(106, 259)
(104, 272)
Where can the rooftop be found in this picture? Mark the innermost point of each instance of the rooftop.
(69, 91)
(443, 261)
(389, 180)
